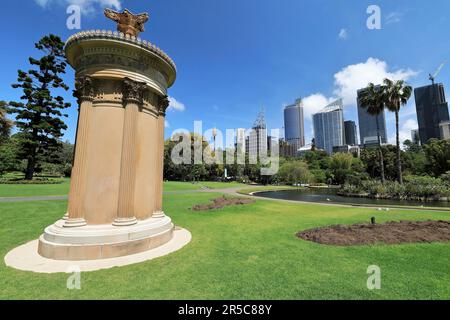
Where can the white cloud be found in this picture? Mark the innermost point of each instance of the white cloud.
(354, 77)
(42, 3)
(314, 103)
(343, 34)
(393, 17)
(87, 6)
(174, 104)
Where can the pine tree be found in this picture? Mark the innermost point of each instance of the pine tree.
(39, 117)
(5, 123)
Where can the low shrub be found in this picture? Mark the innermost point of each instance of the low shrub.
(414, 187)
(31, 182)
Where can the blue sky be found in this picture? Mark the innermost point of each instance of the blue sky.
(235, 56)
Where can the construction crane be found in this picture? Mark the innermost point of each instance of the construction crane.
(433, 77)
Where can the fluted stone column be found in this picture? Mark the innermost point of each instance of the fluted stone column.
(132, 98)
(115, 205)
(85, 94)
(163, 103)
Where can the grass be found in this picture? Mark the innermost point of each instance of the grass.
(17, 190)
(34, 190)
(240, 252)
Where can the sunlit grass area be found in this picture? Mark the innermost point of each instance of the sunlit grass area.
(19, 190)
(34, 190)
(240, 252)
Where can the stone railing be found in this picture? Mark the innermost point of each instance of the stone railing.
(103, 34)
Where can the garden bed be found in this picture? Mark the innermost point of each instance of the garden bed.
(386, 233)
(221, 203)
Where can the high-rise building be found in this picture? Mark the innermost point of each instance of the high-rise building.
(444, 127)
(432, 109)
(329, 126)
(257, 142)
(415, 137)
(294, 127)
(240, 139)
(351, 136)
(286, 149)
(368, 124)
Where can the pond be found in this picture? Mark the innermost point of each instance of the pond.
(330, 196)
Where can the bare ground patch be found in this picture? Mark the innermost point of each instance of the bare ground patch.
(386, 233)
(221, 203)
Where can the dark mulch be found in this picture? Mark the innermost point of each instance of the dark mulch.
(386, 233)
(221, 203)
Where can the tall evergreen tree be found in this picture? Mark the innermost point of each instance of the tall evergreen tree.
(39, 116)
(5, 123)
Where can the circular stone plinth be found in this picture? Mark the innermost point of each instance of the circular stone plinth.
(26, 257)
(92, 242)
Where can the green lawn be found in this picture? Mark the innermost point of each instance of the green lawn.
(17, 190)
(245, 252)
(34, 190)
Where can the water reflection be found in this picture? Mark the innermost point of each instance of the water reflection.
(330, 196)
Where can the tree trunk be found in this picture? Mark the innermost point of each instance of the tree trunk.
(383, 179)
(399, 162)
(31, 159)
(31, 165)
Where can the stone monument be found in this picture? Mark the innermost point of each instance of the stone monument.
(115, 200)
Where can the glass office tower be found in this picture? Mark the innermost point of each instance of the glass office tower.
(294, 128)
(432, 109)
(329, 126)
(351, 137)
(368, 125)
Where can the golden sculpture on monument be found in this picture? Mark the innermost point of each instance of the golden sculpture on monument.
(127, 22)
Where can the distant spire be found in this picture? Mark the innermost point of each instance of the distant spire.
(260, 122)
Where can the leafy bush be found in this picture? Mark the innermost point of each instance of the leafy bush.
(414, 187)
(295, 172)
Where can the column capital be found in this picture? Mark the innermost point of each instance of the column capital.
(163, 104)
(84, 89)
(133, 91)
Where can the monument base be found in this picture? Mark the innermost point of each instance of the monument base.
(26, 257)
(94, 242)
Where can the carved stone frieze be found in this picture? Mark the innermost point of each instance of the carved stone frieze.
(84, 89)
(133, 91)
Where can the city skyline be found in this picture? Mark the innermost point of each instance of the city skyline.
(241, 67)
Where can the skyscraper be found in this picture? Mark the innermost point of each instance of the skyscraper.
(445, 130)
(257, 142)
(415, 137)
(294, 127)
(432, 109)
(329, 126)
(351, 137)
(368, 124)
(240, 140)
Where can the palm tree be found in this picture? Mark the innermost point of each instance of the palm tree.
(372, 99)
(396, 95)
